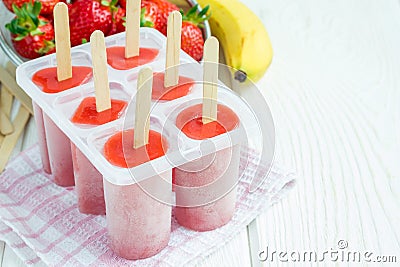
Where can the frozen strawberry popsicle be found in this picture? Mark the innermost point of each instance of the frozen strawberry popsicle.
(138, 218)
(39, 119)
(88, 180)
(160, 92)
(46, 80)
(116, 57)
(206, 188)
(54, 80)
(59, 154)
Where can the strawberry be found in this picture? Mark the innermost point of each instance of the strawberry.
(192, 41)
(118, 22)
(156, 13)
(86, 16)
(32, 35)
(164, 9)
(122, 3)
(148, 18)
(47, 5)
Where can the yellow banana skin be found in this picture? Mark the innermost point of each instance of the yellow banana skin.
(243, 37)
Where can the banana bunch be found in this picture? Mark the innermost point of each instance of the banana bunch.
(245, 41)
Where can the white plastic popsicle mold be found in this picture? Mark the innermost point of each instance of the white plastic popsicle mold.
(60, 107)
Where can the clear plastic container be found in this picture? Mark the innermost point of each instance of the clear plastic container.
(141, 209)
(88, 184)
(138, 181)
(206, 187)
(88, 180)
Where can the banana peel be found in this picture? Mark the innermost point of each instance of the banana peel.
(243, 37)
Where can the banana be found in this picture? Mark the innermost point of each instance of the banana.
(243, 37)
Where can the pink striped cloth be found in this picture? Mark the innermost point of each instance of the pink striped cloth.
(41, 223)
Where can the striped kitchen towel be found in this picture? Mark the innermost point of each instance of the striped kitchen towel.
(40, 221)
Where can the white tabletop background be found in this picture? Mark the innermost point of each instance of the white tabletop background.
(334, 92)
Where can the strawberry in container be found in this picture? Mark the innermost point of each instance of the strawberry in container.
(32, 35)
(105, 15)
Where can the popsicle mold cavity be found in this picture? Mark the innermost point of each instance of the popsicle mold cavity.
(47, 80)
(139, 226)
(116, 57)
(190, 122)
(206, 188)
(42, 73)
(88, 180)
(160, 92)
(139, 210)
(151, 47)
(88, 184)
(59, 154)
(119, 150)
(42, 140)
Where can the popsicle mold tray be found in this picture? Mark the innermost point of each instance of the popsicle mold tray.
(90, 140)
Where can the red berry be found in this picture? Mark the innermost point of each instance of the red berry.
(164, 9)
(118, 22)
(86, 16)
(122, 3)
(32, 35)
(47, 5)
(192, 41)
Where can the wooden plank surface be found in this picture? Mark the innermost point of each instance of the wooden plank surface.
(333, 89)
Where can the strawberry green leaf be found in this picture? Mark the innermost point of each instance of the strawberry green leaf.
(195, 16)
(37, 6)
(47, 47)
(143, 21)
(105, 3)
(36, 32)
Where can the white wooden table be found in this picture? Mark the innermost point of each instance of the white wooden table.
(334, 91)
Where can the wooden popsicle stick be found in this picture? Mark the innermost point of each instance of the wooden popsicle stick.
(10, 141)
(174, 31)
(210, 77)
(143, 104)
(10, 84)
(63, 44)
(100, 72)
(11, 68)
(132, 28)
(6, 127)
(6, 100)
